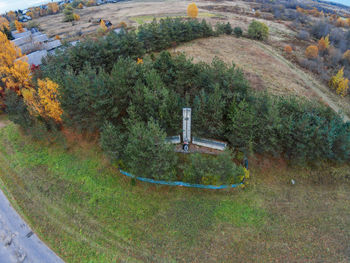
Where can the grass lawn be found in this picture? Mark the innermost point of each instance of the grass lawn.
(87, 212)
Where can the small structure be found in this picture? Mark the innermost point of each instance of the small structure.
(36, 57)
(209, 143)
(173, 139)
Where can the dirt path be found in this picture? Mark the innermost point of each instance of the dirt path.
(318, 88)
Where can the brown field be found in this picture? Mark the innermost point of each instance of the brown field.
(264, 64)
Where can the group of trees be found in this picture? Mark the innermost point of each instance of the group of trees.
(110, 86)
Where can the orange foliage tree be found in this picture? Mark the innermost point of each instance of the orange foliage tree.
(311, 52)
(44, 101)
(192, 10)
(11, 16)
(80, 6)
(323, 43)
(53, 8)
(340, 22)
(19, 26)
(4, 23)
(288, 49)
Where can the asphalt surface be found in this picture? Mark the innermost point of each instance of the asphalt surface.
(17, 241)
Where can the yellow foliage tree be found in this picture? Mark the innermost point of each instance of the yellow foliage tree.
(14, 72)
(346, 55)
(103, 26)
(311, 52)
(348, 21)
(323, 43)
(139, 61)
(80, 6)
(339, 83)
(192, 10)
(53, 8)
(76, 17)
(19, 26)
(44, 101)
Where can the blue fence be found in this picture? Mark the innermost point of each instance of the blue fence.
(180, 183)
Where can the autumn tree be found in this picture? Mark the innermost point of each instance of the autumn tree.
(11, 16)
(288, 49)
(81, 6)
(53, 8)
(5, 27)
(91, 3)
(76, 17)
(14, 72)
(340, 22)
(19, 26)
(339, 83)
(192, 10)
(346, 56)
(323, 44)
(44, 101)
(311, 52)
(103, 27)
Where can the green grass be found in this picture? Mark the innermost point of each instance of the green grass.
(148, 18)
(87, 212)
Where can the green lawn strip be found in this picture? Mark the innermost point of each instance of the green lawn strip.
(87, 212)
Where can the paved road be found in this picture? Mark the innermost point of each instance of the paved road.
(17, 241)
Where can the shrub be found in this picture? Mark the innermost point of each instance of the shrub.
(258, 30)
(288, 49)
(238, 31)
(311, 52)
(346, 56)
(303, 35)
(68, 14)
(228, 28)
(321, 29)
(212, 170)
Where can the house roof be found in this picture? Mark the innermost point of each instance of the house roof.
(36, 57)
(52, 45)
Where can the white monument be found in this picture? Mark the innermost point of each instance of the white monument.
(186, 125)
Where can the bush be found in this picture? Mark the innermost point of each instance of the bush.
(311, 52)
(68, 14)
(17, 110)
(258, 30)
(303, 35)
(238, 31)
(288, 49)
(212, 170)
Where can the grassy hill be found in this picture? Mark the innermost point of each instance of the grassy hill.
(87, 212)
